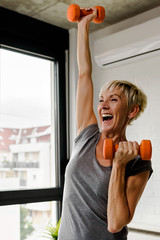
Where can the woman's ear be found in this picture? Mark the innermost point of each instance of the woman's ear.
(133, 111)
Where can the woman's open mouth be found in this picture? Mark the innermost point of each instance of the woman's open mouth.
(107, 117)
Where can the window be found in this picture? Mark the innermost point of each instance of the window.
(26, 145)
(33, 125)
(26, 128)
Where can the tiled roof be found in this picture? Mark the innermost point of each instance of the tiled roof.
(10, 136)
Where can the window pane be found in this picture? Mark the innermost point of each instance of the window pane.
(26, 149)
(27, 221)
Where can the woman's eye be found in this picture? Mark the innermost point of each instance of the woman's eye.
(114, 100)
(100, 100)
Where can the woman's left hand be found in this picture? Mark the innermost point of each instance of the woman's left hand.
(126, 151)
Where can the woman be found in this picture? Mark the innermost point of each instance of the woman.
(100, 196)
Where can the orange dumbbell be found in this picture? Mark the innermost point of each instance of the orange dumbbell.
(145, 149)
(74, 13)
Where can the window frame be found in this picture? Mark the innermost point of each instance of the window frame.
(37, 38)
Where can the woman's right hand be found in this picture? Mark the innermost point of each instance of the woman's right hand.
(89, 17)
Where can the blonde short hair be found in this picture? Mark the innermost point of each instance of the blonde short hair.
(134, 95)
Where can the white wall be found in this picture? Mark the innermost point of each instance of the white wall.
(145, 74)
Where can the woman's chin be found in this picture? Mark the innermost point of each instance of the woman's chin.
(107, 127)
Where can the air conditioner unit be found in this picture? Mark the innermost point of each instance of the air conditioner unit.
(130, 53)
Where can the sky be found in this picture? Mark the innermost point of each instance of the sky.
(25, 99)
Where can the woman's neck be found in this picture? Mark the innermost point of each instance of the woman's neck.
(117, 137)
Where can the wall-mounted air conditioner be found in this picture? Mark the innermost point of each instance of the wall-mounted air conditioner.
(129, 53)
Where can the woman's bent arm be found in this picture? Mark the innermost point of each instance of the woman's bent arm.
(123, 195)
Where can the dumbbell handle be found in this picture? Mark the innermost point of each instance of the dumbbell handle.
(145, 149)
(84, 12)
(100, 14)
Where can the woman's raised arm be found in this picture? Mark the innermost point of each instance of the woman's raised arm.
(85, 115)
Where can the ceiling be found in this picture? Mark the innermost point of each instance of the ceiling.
(55, 11)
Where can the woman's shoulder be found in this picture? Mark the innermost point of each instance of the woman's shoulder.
(88, 132)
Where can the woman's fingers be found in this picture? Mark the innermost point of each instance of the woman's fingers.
(89, 17)
(127, 151)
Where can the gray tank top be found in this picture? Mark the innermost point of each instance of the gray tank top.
(84, 212)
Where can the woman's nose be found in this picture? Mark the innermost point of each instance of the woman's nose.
(105, 105)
